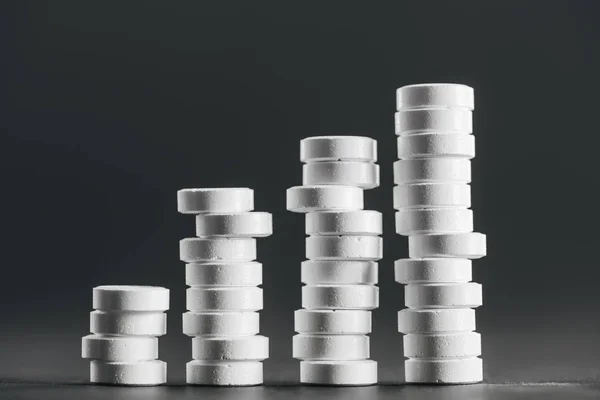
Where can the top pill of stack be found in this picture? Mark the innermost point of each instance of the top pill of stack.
(215, 200)
(338, 148)
(435, 95)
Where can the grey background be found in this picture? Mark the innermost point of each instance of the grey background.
(110, 107)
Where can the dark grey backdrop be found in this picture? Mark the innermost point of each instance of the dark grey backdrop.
(111, 107)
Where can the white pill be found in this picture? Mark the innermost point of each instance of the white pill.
(339, 272)
(119, 348)
(359, 222)
(433, 120)
(225, 373)
(436, 320)
(331, 347)
(338, 148)
(432, 195)
(366, 248)
(339, 373)
(215, 200)
(224, 299)
(443, 295)
(131, 323)
(348, 297)
(244, 348)
(332, 322)
(430, 95)
(431, 170)
(137, 373)
(452, 371)
(229, 249)
(442, 345)
(224, 274)
(351, 173)
(305, 199)
(221, 323)
(248, 224)
(436, 145)
(459, 245)
(130, 298)
(433, 270)
(434, 221)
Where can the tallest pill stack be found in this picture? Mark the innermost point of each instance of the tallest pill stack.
(342, 248)
(432, 196)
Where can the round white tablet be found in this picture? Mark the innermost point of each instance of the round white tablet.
(434, 120)
(366, 248)
(130, 298)
(426, 221)
(431, 95)
(221, 323)
(432, 195)
(339, 373)
(224, 274)
(331, 347)
(431, 170)
(359, 222)
(442, 345)
(452, 371)
(332, 322)
(351, 173)
(248, 224)
(244, 348)
(436, 145)
(215, 200)
(443, 295)
(305, 199)
(338, 148)
(137, 373)
(225, 373)
(340, 297)
(119, 348)
(224, 299)
(459, 245)
(130, 323)
(339, 272)
(433, 270)
(436, 320)
(229, 249)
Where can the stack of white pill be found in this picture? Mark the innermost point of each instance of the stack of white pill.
(123, 346)
(224, 297)
(342, 248)
(435, 145)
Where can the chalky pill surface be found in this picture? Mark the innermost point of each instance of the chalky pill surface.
(224, 299)
(337, 322)
(434, 221)
(130, 298)
(132, 323)
(229, 323)
(244, 348)
(348, 297)
(249, 224)
(443, 295)
(215, 200)
(119, 348)
(433, 270)
(470, 245)
(442, 345)
(223, 274)
(432, 195)
(351, 173)
(433, 95)
(339, 373)
(224, 373)
(331, 347)
(224, 249)
(338, 148)
(305, 199)
(360, 222)
(367, 248)
(137, 373)
(460, 370)
(432, 170)
(436, 320)
(339, 272)
(433, 120)
(436, 145)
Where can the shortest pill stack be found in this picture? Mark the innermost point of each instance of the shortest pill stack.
(123, 346)
(433, 198)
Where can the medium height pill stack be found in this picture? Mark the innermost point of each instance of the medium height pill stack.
(435, 144)
(342, 248)
(224, 298)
